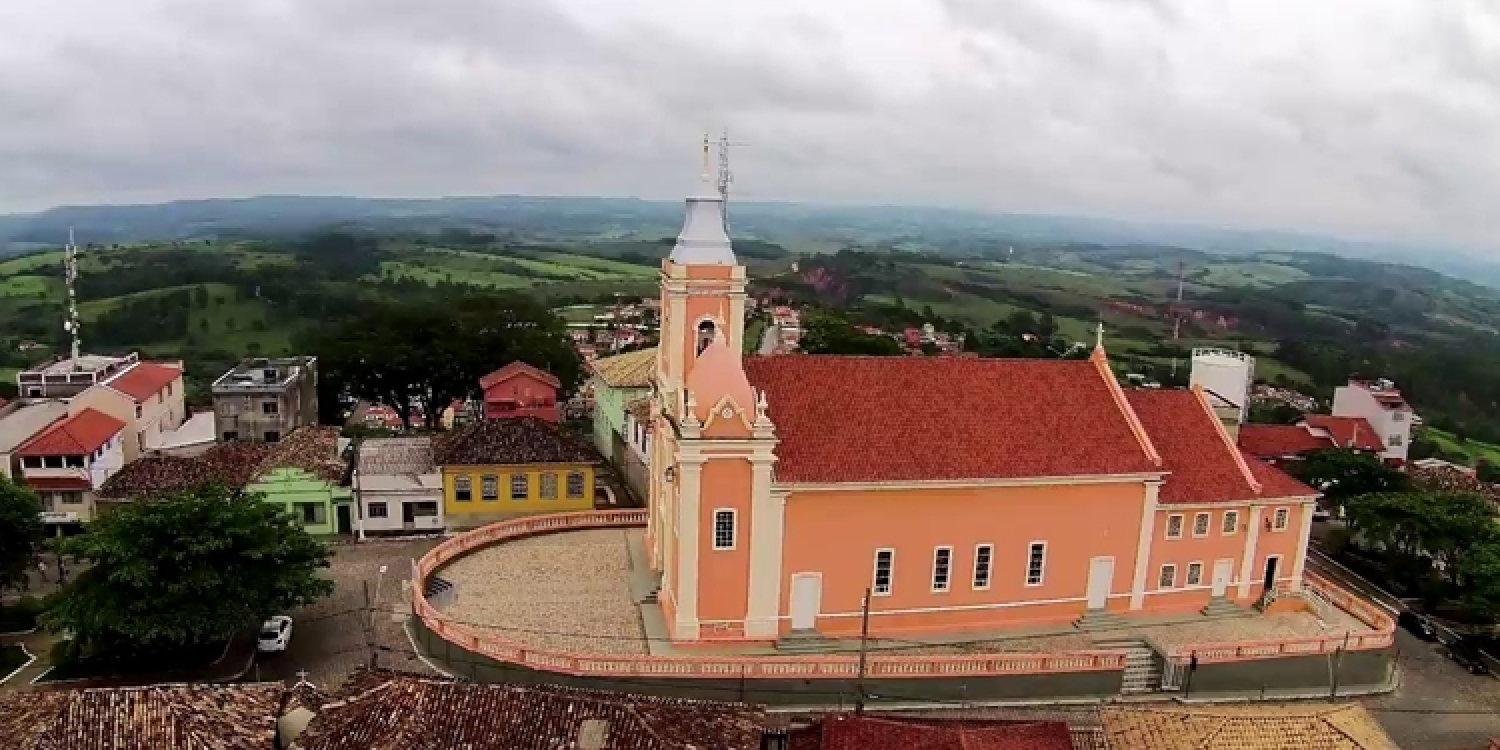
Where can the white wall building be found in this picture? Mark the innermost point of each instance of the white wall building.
(1379, 402)
(397, 486)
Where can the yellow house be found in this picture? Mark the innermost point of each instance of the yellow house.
(499, 468)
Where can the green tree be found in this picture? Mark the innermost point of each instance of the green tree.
(830, 334)
(20, 532)
(187, 569)
(1341, 474)
(1274, 412)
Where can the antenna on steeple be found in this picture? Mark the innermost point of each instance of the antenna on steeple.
(70, 277)
(705, 175)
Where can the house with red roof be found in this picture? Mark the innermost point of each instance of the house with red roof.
(962, 494)
(856, 732)
(1276, 443)
(520, 390)
(1380, 404)
(149, 397)
(67, 463)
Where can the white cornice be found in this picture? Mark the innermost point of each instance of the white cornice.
(946, 484)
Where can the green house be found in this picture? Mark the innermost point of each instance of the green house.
(307, 476)
(619, 381)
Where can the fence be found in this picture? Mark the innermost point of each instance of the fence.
(842, 667)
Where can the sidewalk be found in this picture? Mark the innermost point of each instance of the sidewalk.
(39, 645)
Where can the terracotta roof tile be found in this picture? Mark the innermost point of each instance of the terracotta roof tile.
(629, 370)
(852, 419)
(1204, 466)
(846, 732)
(169, 717)
(1260, 727)
(229, 464)
(515, 440)
(384, 711)
(518, 368)
(314, 450)
(1277, 440)
(78, 435)
(144, 379)
(1355, 432)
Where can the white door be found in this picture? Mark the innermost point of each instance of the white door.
(1222, 571)
(1101, 573)
(807, 595)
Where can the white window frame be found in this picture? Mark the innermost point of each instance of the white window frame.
(1189, 582)
(1180, 523)
(1208, 524)
(988, 568)
(734, 525)
(1167, 572)
(385, 511)
(1281, 519)
(1228, 514)
(890, 572)
(947, 569)
(525, 485)
(1041, 573)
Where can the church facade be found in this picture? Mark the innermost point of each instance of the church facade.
(959, 494)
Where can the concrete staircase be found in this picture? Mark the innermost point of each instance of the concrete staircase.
(653, 596)
(1219, 608)
(1097, 619)
(1142, 667)
(803, 642)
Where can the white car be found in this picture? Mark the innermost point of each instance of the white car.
(275, 634)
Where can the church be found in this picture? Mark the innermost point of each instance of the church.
(960, 495)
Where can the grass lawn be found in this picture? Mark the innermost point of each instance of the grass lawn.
(613, 268)
(1450, 443)
(31, 286)
(31, 262)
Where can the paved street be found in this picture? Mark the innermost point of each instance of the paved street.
(329, 638)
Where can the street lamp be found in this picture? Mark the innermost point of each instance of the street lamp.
(379, 580)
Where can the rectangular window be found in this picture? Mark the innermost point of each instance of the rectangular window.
(549, 486)
(942, 568)
(885, 564)
(32, 462)
(462, 489)
(231, 436)
(1174, 526)
(269, 407)
(1200, 525)
(1195, 573)
(983, 557)
(1397, 416)
(1282, 514)
(71, 498)
(489, 488)
(53, 462)
(520, 486)
(378, 510)
(312, 513)
(1168, 577)
(137, 411)
(575, 485)
(724, 529)
(1231, 522)
(1394, 441)
(273, 436)
(1036, 562)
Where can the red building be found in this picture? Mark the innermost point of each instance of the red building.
(520, 390)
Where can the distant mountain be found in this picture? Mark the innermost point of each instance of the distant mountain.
(562, 218)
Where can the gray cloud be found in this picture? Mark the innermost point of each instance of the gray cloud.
(1369, 118)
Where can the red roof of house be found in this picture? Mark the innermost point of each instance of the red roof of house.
(846, 732)
(516, 368)
(1349, 432)
(58, 483)
(870, 419)
(1276, 440)
(144, 379)
(1205, 465)
(78, 435)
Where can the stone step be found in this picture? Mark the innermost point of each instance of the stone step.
(1223, 608)
(1097, 620)
(803, 641)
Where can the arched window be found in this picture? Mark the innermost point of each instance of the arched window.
(706, 332)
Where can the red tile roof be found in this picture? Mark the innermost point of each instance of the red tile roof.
(1355, 432)
(1276, 440)
(845, 732)
(1204, 465)
(58, 483)
(854, 419)
(517, 368)
(78, 435)
(144, 379)
(165, 717)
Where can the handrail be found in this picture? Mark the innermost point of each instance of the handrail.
(843, 666)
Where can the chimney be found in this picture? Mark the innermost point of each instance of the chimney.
(593, 734)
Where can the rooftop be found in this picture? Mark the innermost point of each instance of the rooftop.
(313, 449)
(1270, 441)
(629, 370)
(1348, 432)
(261, 373)
(198, 429)
(850, 732)
(78, 435)
(144, 379)
(229, 464)
(380, 710)
(519, 440)
(396, 455)
(169, 717)
(1256, 727)
(26, 419)
(86, 363)
(518, 368)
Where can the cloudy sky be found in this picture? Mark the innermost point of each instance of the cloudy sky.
(1367, 118)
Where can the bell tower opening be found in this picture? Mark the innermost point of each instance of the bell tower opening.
(706, 332)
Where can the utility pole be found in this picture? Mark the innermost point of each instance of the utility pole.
(864, 644)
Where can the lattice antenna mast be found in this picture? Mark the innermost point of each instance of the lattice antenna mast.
(726, 175)
(70, 277)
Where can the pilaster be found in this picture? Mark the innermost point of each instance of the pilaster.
(1300, 563)
(767, 516)
(689, 478)
(1146, 536)
(1247, 563)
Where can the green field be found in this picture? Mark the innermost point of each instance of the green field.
(30, 286)
(1249, 274)
(1449, 443)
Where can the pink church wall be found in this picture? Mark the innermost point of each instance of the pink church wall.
(1189, 549)
(837, 533)
(723, 575)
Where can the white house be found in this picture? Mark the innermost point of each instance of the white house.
(66, 463)
(397, 485)
(1382, 405)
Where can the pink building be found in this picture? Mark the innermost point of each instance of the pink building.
(964, 494)
(520, 390)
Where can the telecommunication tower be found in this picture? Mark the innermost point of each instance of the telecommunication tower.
(70, 278)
